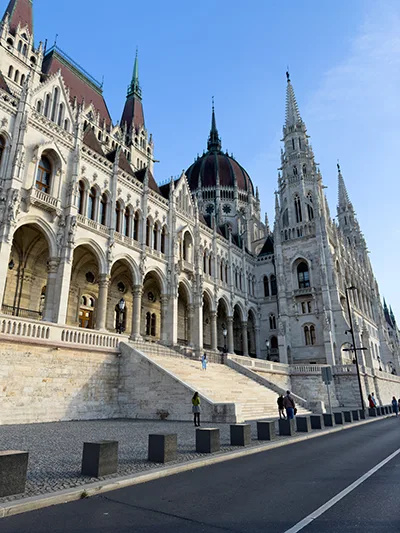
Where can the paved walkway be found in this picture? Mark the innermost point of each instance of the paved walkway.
(55, 449)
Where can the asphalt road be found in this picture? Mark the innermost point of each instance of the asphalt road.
(269, 492)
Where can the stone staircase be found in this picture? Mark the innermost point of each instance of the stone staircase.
(218, 383)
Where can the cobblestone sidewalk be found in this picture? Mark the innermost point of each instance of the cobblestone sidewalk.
(55, 449)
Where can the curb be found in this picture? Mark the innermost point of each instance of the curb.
(93, 489)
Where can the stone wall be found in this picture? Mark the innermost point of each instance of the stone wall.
(41, 383)
(149, 391)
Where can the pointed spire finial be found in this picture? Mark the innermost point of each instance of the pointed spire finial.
(134, 87)
(214, 141)
(343, 196)
(292, 109)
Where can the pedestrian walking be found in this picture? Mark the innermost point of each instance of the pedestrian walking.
(196, 409)
(204, 361)
(371, 402)
(281, 409)
(289, 405)
(395, 406)
(374, 400)
(398, 405)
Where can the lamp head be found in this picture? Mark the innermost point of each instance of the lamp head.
(224, 332)
(121, 304)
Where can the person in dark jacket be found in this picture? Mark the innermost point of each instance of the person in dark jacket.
(281, 409)
(395, 406)
(289, 405)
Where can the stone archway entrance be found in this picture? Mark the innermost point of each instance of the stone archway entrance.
(184, 316)
(251, 334)
(237, 331)
(208, 318)
(29, 265)
(151, 326)
(222, 326)
(120, 291)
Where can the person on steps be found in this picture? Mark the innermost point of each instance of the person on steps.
(204, 361)
(281, 409)
(196, 409)
(289, 405)
(371, 402)
(395, 406)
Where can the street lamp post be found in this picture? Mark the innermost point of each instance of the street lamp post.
(354, 343)
(224, 333)
(267, 347)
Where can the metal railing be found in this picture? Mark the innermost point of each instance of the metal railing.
(21, 312)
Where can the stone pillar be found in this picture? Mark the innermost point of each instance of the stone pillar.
(169, 328)
(136, 311)
(197, 325)
(214, 338)
(190, 314)
(230, 335)
(5, 250)
(104, 281)
(52, 268)
(257, 340)
(61, 294)
(245, 341)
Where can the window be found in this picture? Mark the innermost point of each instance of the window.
(60, 114)
(155, 237)
(103, 209)
(309, 335)
(47, 105)
(55, 104)
(148, 232)
(274, 288)
(16, 76)
(39, 106)
(297, 208)
(272, 322)
(309, 309)
(91, 210)
(266, 286)
(303, 307)
(127, 222)
(300, 144)
(153, 325)
(81, 198)
(43, 176)
(136, 226)
(10, 71)
(303, 275)
(19, 47)
(2, 146)
(66, 125)
(294, 170)
(118, 216)
(293, 144)
(226, 273)
(221, 271)
(285, 218)
(163, 239)
(25, 50)
(210, 265)
(310, 208)
(304, 170)
(148, 323)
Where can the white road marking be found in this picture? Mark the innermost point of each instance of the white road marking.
(321, 510)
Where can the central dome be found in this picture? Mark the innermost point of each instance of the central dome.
(216, 168)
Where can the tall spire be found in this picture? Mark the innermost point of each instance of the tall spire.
(214, 141)
(19, 12)
(343, 196)
(292, 109)
(134, 87)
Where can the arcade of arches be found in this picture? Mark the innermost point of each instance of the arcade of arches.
(94, 298)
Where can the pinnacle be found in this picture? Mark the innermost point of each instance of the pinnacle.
(343, 196)
(292, 109)
(214, 141)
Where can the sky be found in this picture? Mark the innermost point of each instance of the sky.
(344, 62)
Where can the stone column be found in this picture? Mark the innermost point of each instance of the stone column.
(190, 315)
(104, 281)
(245, 339)
(61, 294)
(257, 341)
(197, 325)
(214, 338)
(136, 311)
(168, 328)
(230, 335)
(52, 268)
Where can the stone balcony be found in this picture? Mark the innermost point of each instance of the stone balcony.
(186, 266)
(305, 291)
(42, 200)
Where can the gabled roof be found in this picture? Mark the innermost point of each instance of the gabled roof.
(123, 163)
(80, 84)
(20, 12)
(140, 174)
(90, 139)
(268, 247)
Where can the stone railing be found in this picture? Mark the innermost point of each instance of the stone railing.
(41, 199)
(260, 364)
(31, 330)
(92, 224)
(306, 369)
(344, 369)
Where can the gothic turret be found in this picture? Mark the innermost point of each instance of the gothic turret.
(133, 115)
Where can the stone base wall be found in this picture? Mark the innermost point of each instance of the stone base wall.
(149, 391)
(41, 383)
(313, 389)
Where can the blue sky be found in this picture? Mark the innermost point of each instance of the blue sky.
(344, 60)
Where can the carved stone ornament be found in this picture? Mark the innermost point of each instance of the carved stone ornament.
(72, 230)
(110, 251)
(60, 234)
(281, 328)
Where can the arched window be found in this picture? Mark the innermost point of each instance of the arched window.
(47, 105)
(24, 50)
(309, 335)
(155, 237)
(274, 343)
(163, 239)
(103, 209)
(16, 76)
(294, 170)
(293, 144)
(81, 198)
(210, 265)
(66, 125)
(272, 322)
(205, 262)
(118, 216)
(2, 147)
(153, 325)
(39, 106)
(148, 323)
(297, 208)
(43, 176)
(60, 114)
(274, 288)
(310, 209)
(19, 47)
(91, 210)
(136, 226)
(285, 218)
(22, 79)
(266, 286)
(55, 104)
(303, 275)
(10, 71)
(127, 222)
(304, 170)
(148, 232)
(221, 271)
(226, 273)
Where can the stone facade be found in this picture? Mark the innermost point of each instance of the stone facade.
(89, 239)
